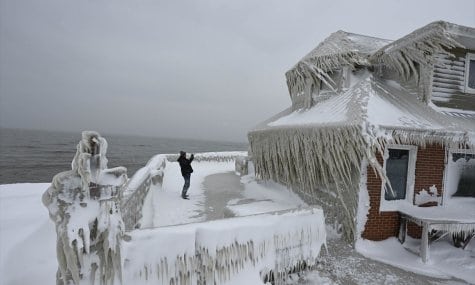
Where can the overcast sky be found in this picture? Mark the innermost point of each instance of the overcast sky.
(189, 69)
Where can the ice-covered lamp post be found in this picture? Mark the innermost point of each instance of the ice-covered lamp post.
(84, 204)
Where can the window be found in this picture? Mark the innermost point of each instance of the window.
(399, 164)
(470, 73)
(460, 173)
(396, 171)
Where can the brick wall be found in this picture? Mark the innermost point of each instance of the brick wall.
(429, 168)
(429, 171)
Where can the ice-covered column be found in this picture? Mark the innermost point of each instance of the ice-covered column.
(84, 204)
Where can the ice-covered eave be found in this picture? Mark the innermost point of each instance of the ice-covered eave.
(317, 68)
(423, 137)
(418, 47)
(329, 152)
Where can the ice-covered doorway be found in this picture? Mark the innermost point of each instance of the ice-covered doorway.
(460, 173)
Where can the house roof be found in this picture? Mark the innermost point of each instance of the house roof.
(339, 49)
(342, 48)
(434, 38)
(342, 43)
(380, 107)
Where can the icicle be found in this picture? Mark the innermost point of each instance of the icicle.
(420, 46)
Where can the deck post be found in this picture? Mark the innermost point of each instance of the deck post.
(425, 242)
(402, 229)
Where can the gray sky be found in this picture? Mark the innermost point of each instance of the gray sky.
(192, 69)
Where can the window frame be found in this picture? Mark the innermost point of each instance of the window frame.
(392, 205)
(468, 57)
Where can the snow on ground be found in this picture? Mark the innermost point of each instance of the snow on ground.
(445, 260)
(164, 203)
(27, 236)
(263, 197)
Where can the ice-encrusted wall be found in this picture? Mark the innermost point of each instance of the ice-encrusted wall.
(215, 252)
(84, 204)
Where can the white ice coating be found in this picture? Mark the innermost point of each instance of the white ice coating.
(339, 49)
(215, 252)
(403, 54)
(363, 202)
(84, 204)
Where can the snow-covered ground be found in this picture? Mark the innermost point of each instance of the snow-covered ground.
(446, 261)
(27, 236)
(28, 239)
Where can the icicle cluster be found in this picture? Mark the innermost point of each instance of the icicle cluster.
(419, 47)
(84, 204)
(226, 261)
(308, 159)
(338, 50)
(455, 228)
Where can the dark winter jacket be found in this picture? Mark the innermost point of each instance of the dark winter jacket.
(185, 164)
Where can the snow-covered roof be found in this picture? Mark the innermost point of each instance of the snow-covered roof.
(434, 38)
(344, 43)
(379, 106)
(339, 49)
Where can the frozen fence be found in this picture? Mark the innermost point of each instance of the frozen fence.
(152, 174)
(214, 252)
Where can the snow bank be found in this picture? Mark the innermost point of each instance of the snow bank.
(446, 260)
(224, 251)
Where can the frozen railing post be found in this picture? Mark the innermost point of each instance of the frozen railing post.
(84, 204)
(242, 165)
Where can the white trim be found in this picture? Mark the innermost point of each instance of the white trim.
(468, 57)
(392, 205)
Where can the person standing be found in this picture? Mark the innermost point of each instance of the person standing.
(186, 170)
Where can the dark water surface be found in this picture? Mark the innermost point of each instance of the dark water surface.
(36, 156)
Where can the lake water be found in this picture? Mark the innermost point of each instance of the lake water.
(36, 156)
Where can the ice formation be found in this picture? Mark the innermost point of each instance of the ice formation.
(338, 50)
(415, 48)
(215, 252)
(84, 204)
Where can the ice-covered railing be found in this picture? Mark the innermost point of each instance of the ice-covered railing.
(84, 205)
(152, 174)
(215, 252)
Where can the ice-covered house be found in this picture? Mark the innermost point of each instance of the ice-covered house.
(378, 128)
